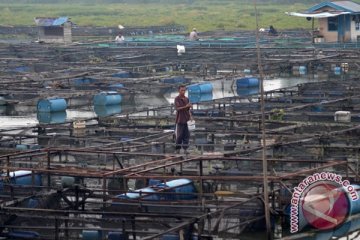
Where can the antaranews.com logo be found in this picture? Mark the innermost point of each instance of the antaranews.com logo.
(322, 201)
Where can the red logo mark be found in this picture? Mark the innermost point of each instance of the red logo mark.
(325, 205)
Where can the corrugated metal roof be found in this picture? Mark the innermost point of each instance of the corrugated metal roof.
(347, 6)
(47, 22)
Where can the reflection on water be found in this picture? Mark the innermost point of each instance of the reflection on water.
(75, 114)
(107, 110)
(51, 117)
(195, 98)
(247, 91)
(7, 122)
(2, 110)
(32, 119)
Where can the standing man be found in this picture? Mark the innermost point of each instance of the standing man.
(183, 115)
(119, 38)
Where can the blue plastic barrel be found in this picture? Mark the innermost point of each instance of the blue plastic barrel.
(355, 205)
(67, 181)
(33, 203)
(25, 178)
(125, 139)
(22, 177)
(35, 146)
(175, 80)
(91, 235)
(317, 108)
(23, 235)
(174, 237)
(116, 86)
(146, 193)
(51, 105)
(170, 237)
(302, 70)
(153, 182)
(28, 146)
(83, 81)
(22, 147)
(122, 75)
(247, 82)
(117, 236)
(200, 88)
(22, 69)
(2, 101)
(347, 227)
(51, 117)
(196, 97)
(182, 186)
(107, 98)
(337, 70)
(107, 110)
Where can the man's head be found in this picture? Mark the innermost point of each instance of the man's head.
(194, 29)
(182, 90)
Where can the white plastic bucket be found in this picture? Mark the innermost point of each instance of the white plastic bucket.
(191, 125)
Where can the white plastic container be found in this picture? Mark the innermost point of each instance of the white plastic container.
(191, 125)
(342, 116)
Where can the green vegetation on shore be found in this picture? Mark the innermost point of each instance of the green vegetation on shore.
(206, 15)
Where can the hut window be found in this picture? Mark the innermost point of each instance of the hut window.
(332, 24)
(357, 26)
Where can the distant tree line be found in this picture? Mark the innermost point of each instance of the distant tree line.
(158, 1)
(99, 1)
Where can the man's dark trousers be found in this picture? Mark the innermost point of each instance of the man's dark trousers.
(182, 136)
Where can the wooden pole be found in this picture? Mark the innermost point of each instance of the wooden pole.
(264, 162)
(312, 30)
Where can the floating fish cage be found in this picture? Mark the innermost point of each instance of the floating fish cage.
(110, 160)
